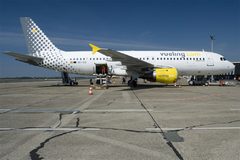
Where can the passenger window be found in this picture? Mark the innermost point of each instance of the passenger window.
(157, 58)
(83, 58)
(193, 58)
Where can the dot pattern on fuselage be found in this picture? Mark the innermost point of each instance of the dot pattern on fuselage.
(39, 45)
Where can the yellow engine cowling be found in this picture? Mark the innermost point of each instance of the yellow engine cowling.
(164, 75)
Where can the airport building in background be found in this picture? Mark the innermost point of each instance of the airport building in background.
(234, 74)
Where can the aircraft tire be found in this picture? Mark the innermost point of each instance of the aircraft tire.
(133, 84)
(129, 82)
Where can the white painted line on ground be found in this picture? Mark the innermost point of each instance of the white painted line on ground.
(5, 129)
(165, 129)
(119, 110)
(56, 111)
(205, 128)
(218, 128)
(90, 129)
(51, 129)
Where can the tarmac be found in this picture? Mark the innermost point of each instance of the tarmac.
(41, 120)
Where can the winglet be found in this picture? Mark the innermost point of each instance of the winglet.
(94, 48)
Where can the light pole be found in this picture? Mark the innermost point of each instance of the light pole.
(212, 38)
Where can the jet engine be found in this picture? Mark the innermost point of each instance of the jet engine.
(162, 75)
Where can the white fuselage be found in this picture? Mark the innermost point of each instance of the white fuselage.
(186, 62)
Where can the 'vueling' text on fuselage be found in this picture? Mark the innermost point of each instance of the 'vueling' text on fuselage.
(180, 54)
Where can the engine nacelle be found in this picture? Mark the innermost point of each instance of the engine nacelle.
(163, 75)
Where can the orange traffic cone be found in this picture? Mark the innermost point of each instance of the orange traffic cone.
(179, 85)
(175, 84)
(90, 90)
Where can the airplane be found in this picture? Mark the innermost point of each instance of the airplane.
(157, 66)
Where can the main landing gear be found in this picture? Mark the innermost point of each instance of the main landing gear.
(132, 83)
(66, 80)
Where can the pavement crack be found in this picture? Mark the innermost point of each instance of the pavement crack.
(33, 153)
(162, 133)
(201, 125)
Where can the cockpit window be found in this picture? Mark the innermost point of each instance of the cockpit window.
(222, 59)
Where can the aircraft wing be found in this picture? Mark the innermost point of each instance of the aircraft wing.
(25, 58)
(131, 62)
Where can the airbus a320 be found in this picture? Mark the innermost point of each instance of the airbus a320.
(157, 66)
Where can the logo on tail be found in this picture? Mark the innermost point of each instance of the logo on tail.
(36, 40)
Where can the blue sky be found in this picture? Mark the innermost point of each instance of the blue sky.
(120, 25)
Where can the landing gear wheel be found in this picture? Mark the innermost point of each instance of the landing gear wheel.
(133, 84)
(129, 82)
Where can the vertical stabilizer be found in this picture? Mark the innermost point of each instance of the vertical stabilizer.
(36, 40)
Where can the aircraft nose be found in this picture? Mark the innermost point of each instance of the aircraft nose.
(231, 66)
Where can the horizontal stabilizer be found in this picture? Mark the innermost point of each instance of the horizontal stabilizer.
(25, 58)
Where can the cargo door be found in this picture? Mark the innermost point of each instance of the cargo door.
(101, 69)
